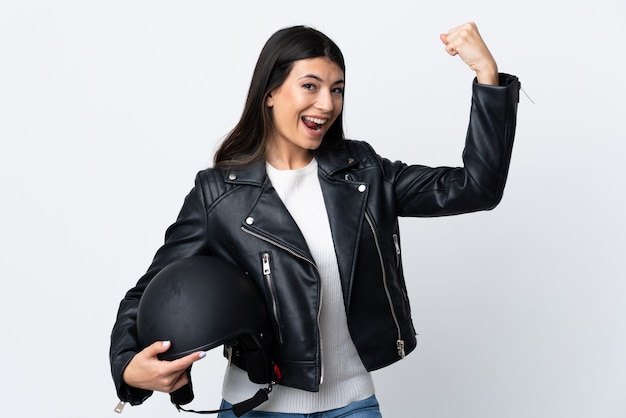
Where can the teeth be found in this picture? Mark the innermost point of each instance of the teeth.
(316, 120)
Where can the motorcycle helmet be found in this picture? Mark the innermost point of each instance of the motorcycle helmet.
(202, 302)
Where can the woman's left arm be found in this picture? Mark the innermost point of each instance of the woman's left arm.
(479, 183)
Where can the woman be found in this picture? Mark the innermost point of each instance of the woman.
(291, 198)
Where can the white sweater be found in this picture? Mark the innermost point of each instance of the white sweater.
(345, 379)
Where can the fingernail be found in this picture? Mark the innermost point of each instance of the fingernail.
(166, 343)
(203, 354)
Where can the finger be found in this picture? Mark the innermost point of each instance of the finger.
(182, 381)
(453, 39)
(462, 34)
(168, 380)
(184, 362)
(177, 370)
(453, 33)
(465, 28)
(157, 347)
(451, 49)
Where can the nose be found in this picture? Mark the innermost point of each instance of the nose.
(325, 101)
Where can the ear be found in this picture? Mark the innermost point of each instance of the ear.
(269, 101)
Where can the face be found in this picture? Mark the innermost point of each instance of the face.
(305, 106)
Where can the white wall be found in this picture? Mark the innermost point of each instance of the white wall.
(108, 109)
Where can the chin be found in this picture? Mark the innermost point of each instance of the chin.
(311, 143)
(315, 146)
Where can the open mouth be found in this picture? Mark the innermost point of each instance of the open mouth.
(313, 123)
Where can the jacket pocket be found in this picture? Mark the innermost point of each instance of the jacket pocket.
(399, 272)
(266, 265)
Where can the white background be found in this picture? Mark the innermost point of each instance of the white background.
(109, 108)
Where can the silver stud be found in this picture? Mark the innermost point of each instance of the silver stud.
(362, 188)
(350, 160)
(250, 220)
(232, 176)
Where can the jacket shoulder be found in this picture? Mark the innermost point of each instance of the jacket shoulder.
(211, 182)
(362, 152)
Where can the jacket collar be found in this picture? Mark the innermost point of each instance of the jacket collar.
(253, 174)
(329, 160)
(334, 159)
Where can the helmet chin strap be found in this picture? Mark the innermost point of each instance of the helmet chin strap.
(239, 408)
(185, 395)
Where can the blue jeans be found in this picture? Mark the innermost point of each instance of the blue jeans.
(367, 408)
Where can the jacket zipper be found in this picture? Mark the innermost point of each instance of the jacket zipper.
(399, 341)
(396, 243)
(319, 309)
(267, 273)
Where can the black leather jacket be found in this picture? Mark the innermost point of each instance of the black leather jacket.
(238, 215)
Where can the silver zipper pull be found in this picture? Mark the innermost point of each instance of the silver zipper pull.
(396, 243)
(266, 264)
(229, 351)
(400, 347)
(120, 407)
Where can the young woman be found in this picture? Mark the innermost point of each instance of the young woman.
(289, 197)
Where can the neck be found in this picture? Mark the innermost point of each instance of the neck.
(281, 159)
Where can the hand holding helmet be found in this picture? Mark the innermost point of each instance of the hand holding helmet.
(147, 371)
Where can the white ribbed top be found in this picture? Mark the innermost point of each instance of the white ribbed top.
(345, 379)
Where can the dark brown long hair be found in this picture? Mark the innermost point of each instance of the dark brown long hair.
(246, 143)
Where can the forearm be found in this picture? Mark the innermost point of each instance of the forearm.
(490, 136)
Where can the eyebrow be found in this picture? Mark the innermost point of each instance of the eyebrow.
(315, 77)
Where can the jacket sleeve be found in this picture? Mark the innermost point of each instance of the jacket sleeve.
(479, 184)
(185, 238)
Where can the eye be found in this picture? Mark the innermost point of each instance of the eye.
(338, 90)
(308, 86)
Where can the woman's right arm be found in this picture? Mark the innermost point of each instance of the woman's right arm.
(146, 371)
(137, 371)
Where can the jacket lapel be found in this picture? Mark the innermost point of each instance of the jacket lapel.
(345, 203)
(268, 218)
